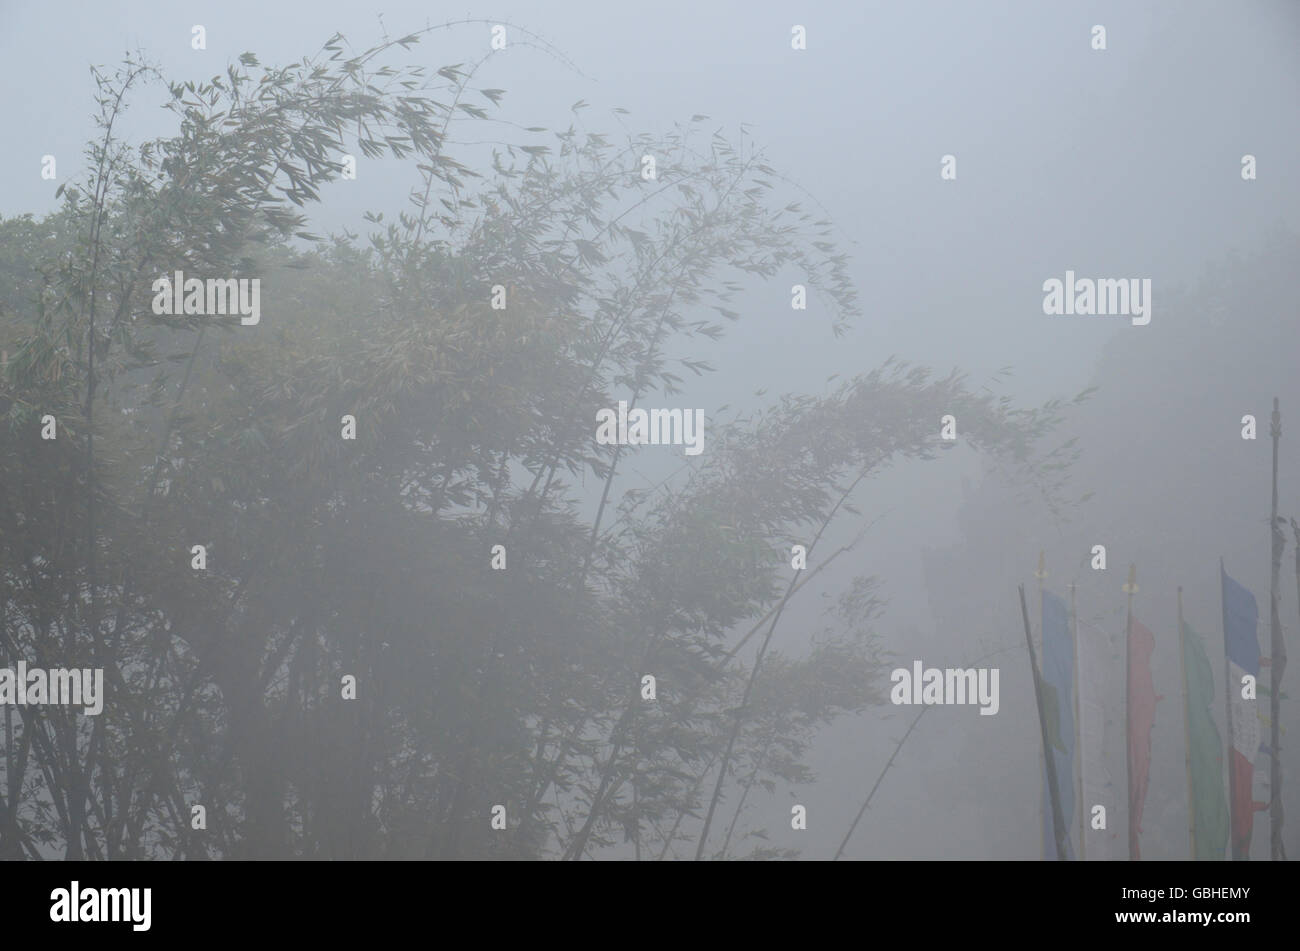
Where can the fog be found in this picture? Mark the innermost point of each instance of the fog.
(1115, 163)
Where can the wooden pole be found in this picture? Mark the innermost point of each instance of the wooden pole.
(1040, 573)
(1058, 822)
(1079, 806)
(1277, 661)
(1130, 589)
(1295, 528)
(1187, 729)
(1227, 699)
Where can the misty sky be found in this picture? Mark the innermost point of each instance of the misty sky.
(1122, 163)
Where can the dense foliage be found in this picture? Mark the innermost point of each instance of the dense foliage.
(371, 557)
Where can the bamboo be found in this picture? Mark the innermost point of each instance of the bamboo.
(867, 802)
(892, 756)
(1058, 822)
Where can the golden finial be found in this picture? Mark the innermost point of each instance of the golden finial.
(1132, 586)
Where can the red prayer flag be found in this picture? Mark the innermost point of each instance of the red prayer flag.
(1141, 718)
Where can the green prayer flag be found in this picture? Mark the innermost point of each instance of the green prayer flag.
(1205, 752)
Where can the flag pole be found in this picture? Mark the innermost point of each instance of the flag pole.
(1187, 730)
(1130, 589)
(1227, 699)
(1280, 663)
(1080, 806)
(1277, 660)
(1058, 823)
(1041, 573)
(1296, 529)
